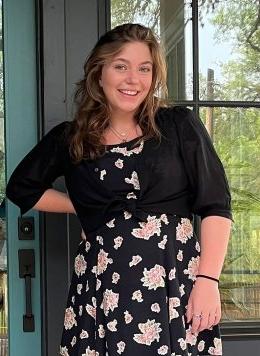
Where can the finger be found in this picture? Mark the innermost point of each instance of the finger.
(204, 321)
(212, 317)
(217, 316)
(196, 320)
(189, 313)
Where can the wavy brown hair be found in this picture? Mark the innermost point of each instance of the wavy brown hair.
(92, 114)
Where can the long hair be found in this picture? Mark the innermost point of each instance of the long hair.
(92, 110)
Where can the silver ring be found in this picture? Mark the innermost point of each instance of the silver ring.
(197, 316)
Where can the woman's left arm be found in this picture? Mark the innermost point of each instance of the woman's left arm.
(211, 200)
(205, 299)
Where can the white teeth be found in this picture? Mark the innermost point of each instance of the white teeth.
(129, 92)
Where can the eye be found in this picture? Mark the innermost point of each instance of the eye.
(145, 69)
(120, 67)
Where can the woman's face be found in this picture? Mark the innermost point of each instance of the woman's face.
(127, 78)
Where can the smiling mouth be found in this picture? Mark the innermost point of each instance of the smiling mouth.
(128, 92)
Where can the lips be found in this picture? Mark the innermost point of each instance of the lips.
(128, 92)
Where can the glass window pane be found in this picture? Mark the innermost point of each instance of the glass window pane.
(172, 22)
(236, 134)
(229, 50)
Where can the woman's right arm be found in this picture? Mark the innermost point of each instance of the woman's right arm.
(54, 201)
(31, 183)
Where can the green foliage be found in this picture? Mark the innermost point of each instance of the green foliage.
(237, 22)
(145, 12)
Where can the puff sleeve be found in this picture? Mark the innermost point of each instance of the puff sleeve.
(38, 169)
(207, 179)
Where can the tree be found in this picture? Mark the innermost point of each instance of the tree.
(141, 11)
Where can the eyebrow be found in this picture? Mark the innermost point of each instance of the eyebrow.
(126, 61)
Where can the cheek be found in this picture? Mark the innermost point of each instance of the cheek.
(106, 78)
(147, 84)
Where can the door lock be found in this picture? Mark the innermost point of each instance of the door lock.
(26, 228)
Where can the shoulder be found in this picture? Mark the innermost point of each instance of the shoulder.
(184, 122)
(59, 133)
(60, 129)
(171, 116)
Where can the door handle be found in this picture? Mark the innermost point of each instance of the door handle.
(27, 271)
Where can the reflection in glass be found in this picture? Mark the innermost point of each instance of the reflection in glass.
(3, 252)
(172, 22)
(236, 134)
(229, 50)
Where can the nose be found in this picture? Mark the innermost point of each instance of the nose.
(132, 77)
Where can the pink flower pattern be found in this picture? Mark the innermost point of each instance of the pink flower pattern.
(70, 318)
(184, 230)
(217, 348)
(154, 278)
(193, 268)
(132, 278)
(110, 301)
(103, 261)
(149, 228)
(150, 332)
(80, 265)
(174, 302)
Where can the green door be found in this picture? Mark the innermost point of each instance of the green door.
(19, 121)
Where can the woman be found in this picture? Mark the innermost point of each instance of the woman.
(136, 171)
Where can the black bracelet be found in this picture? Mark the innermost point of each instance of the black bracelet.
(208, 277)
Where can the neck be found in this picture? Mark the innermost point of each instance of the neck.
(123, 122)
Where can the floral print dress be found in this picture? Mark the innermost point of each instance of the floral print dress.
(132, 279)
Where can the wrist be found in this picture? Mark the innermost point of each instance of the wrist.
(206, 284)
(207, 277)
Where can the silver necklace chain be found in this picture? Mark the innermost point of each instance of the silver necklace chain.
(122, 135)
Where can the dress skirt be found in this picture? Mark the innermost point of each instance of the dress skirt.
(132, 280)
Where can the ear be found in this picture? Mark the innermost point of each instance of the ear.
(100, 82)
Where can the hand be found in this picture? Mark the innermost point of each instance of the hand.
(204, 306)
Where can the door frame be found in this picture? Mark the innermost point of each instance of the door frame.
(21, 133)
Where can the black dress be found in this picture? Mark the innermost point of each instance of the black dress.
(134, 273)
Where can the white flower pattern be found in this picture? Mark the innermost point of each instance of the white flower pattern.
(132, 277)
(133, 180)
(119, 163)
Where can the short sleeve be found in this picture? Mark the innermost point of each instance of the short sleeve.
(206, 175)
(38, 169)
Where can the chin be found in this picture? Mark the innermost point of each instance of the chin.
(128, 109)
